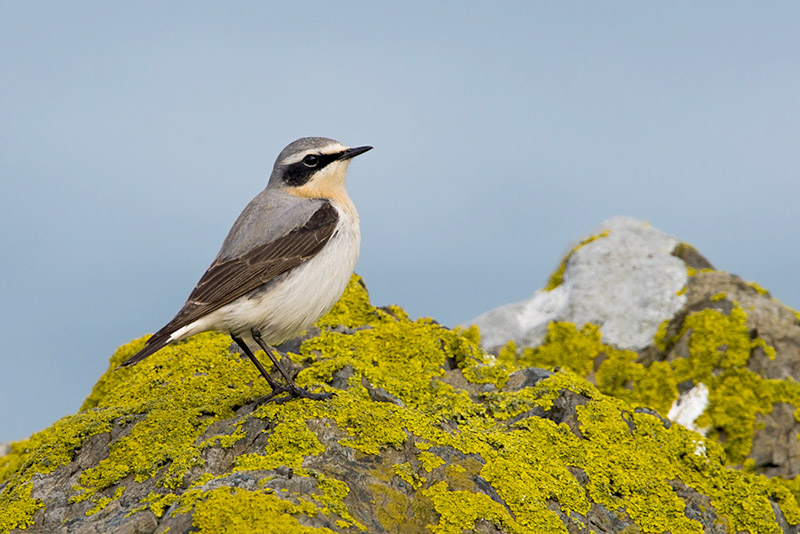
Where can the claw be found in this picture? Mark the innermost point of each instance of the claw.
(301, 393)
(291, 388)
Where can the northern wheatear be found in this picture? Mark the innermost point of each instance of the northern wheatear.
(285, 262)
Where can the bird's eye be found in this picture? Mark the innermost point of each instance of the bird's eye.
(311, 160)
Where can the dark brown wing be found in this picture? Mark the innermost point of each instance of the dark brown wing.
(227, 280)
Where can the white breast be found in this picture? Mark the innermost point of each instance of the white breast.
(295, 302)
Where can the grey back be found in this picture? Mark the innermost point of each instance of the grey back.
(271, 214)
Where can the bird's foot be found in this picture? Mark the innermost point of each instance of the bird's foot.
(294, 392)
(273, 395)
(305, 394)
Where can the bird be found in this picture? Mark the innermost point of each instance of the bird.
(285, 262)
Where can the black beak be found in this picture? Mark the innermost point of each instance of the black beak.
(353, 152)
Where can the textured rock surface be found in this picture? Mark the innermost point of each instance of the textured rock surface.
(723, 360)
(623, 278)
(426, 434)
(753, 392)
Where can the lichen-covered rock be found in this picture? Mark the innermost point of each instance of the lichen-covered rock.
(723, 362)
(426, 433)
(622, 277)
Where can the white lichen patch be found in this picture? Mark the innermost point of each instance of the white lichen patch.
(689, 406)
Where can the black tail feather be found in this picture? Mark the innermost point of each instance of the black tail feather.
(156, 342)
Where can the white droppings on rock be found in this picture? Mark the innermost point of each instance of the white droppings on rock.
(689, 406)
(627, 282)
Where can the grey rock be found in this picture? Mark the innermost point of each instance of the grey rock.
(634, 279)
(626, 280)
(466, 438)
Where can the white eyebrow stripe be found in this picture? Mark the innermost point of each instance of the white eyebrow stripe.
(327, 149)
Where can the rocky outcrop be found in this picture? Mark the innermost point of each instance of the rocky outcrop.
(622, 277)
(426, 433)
(715, 353)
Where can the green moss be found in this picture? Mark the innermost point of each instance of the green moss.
(165, 406)
(557, 277)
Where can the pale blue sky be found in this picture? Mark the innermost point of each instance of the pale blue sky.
(132, 134)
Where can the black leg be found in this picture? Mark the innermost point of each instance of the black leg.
(276, 388)
(295, 390)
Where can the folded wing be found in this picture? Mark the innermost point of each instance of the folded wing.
(228, 279)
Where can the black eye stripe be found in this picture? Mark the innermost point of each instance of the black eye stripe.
(297, 174)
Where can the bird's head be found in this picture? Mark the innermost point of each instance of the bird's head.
(313, 167)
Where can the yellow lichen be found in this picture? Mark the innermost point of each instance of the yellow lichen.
(237, 511)
(719, 345)
(332, 498)
(758, 288)
(407, 473)
(290, 442)
(159, 504)
(693, 272)
(429, 461)
(167, 404)
(460, 510)
(527, 476)
(17, 507)
(566, 346)
(558, 276)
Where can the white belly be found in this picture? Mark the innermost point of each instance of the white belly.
(296, 300)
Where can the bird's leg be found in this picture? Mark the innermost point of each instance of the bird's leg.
(294, 389)
(276, 388)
